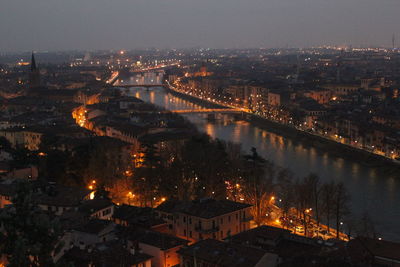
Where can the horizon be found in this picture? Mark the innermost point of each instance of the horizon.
(348, 48)
(47, 25)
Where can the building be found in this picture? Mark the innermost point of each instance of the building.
(341, 89)
(162, 247)
(126, 215)
(58, 198)
(34, 75)
(216, 253)
(373, 252)
(322, 96)
(289, 247)
(22, 137)
(205, 218)
(99, 208)
(111, 253)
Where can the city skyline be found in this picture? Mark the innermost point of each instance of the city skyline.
(91, 25)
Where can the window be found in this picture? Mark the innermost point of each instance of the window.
(107, 211)
(184, 219)
(222, 234)
(190, 233)
(236, 216)
(222, 220)
(229, 218)
(190, 220)
(184, 232)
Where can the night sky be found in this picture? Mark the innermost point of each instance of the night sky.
(127, 24)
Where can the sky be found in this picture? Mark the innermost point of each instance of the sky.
(55, 25)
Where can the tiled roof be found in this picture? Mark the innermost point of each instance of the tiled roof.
(94, 226)
(204, 208)
(218, 253)
(138, 216)
(105, 254)
(153, 238)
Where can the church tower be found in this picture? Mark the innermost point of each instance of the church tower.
(34, 75)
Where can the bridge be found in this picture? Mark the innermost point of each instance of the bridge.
(195, 111)
(209, 110)
(138, 85)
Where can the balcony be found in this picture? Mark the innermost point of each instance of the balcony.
(207, 231)
(247, 218)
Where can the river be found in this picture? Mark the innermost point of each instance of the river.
(370, 188)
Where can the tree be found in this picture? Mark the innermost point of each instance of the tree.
(286, 191)
(259, 177)
(147, 178)
(366, 227)
(5, 144)
(29, 234)
(303, 200)
(341, 205)
(313, 183)
(327, 197)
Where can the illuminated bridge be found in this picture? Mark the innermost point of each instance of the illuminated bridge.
(139, 85)
(196, 111)
(209, 110)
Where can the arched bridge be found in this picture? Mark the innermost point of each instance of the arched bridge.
(139, 85)
(195, 111)
(209, 110)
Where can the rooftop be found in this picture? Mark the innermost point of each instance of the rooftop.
(94, 226)
(224, 254)
(138, 216)
(203, 208)
(153, 238)
(377, 248)
(94, 205)
(105, 254)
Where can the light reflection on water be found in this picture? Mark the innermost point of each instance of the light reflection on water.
(371, 190)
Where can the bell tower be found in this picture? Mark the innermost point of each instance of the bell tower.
(34, 75)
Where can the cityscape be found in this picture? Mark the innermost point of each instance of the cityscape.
(241, 155)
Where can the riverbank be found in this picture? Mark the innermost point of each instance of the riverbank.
(193, 99)
(326, 145)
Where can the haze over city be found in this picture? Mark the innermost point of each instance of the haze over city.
(124, 24)
(223, 133)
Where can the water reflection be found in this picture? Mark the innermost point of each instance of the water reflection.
(371, 189)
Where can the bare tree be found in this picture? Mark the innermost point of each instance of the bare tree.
(304, 202)
(341, 205)
(366, 226)
(312, 182)
(259, 181)
(327, 198)
(285, 191)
